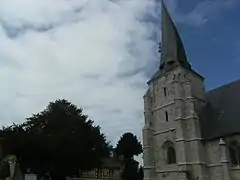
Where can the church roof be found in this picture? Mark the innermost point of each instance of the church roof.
(221, 116)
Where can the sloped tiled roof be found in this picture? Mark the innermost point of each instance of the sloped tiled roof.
(221, 115)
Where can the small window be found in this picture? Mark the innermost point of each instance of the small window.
(171, 155)
(165, 91)
(166, 115)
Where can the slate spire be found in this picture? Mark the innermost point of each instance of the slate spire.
(172, 50)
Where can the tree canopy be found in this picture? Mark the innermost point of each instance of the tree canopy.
(141, 173)
(128, 146)
(131, 170)
(60, 140)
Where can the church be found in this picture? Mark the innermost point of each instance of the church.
(189, 133)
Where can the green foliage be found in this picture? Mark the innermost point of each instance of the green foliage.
(60, 139)
(128, 146)
(4, 170)
(132, 170)
(141, 173)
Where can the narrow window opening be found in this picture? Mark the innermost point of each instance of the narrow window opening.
(174, 76)
(171, 155)
(171, 62)
(166, 115)
(165, 91)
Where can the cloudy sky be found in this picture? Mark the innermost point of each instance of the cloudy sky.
(98, 54)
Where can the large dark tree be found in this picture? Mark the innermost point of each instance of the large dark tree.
(128, 146)
(141, 173)
(60, 140)
(131, 170)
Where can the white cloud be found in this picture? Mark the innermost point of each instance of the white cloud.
(205, 11)
(76, 50)
(84, 51)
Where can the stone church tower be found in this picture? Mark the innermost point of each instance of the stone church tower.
(175, 95)
(172, 135)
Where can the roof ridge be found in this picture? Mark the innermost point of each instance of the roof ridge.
(224, 85)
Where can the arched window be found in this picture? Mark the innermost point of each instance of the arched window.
(171, 155)
(234, 152)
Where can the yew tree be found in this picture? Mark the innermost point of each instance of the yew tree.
(61, 140)
(128, 146)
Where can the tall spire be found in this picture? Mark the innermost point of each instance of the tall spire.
(173, 53)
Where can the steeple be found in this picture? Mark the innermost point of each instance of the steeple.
(172, 49)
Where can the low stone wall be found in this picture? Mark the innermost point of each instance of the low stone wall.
(91, 179)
